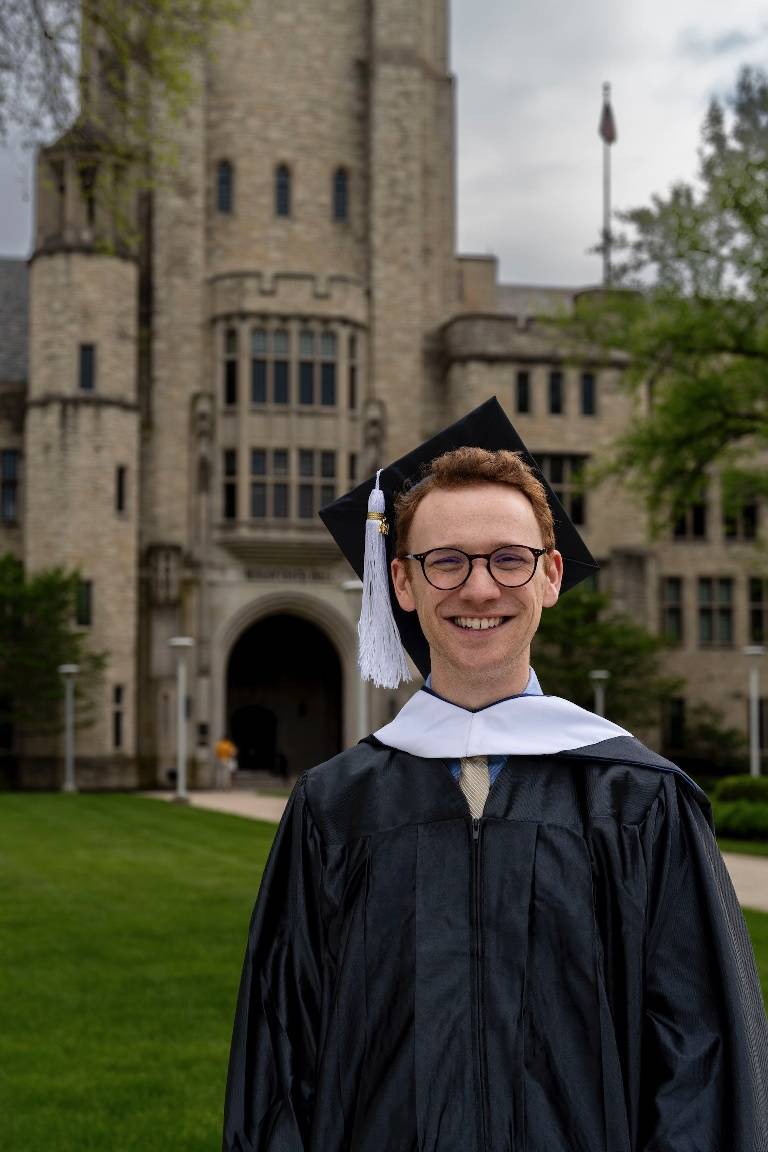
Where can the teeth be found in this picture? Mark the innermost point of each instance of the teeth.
(478, 622)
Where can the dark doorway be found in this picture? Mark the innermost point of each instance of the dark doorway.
(284, 696)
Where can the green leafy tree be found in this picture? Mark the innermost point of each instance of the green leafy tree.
(37, 634)
(691, 313)
(112, 61)
(582, 633)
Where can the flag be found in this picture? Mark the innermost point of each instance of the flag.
(607, 127)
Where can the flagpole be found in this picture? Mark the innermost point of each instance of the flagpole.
(606, 197)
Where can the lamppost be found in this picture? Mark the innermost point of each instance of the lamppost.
(355, 588)
(181, 644)
(69, 671)
(754, 653)
(599, 678)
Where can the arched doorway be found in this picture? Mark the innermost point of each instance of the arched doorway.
(284, 696)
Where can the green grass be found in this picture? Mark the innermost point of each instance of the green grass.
(122, 929)
(746, 847)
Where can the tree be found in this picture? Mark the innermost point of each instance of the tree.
(691, 312)
(113, 61)
(582, 633)
(37, 634)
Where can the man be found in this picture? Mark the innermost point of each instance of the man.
(500, 923)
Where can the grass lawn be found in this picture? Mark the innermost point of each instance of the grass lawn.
(747, 847)
(122, 929)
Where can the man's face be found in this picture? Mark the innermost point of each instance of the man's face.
(477, 519)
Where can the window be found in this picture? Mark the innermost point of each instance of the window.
(673, 723)
(588, 394)
(280, 366)
(556, 392)
(327, 368)
(117, 716)
(230, 367)
(306, 366)
(258, 366)
(565, 475)
(671, 600)
(269, 483)
(87, 368)
(225, 187)
(758, 610)
(230, 484)
(317, 471)
(88, 189)
(120, 487)
(282, 190)
(715, 611)
(59, 182)
(523, 391)
(692, 523)
(84, 604)
(741, 523)
(9, 486)
(340, 194)
(352, 468)
(352, 371)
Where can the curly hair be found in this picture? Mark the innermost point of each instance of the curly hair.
(464, 467)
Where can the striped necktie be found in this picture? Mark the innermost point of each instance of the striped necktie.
(475, 782)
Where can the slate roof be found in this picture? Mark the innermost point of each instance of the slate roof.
(14, 320)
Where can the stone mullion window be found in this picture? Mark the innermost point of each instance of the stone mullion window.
(565, 474)
(230, 368)
(229, 486)
(758, 610)
(523, 391)
(9, 486)
(84, 604)
(352, 377)
(225, 187)
(307, 368)
(671, 605)
(715, 611)
(588, 394)
(317, 475)
(556, 392)
(328, 368)
(270, 484)
(692, 523)
(741, 523)
(118, 694)
(340, 195)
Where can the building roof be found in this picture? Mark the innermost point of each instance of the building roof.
(531, 300)
(14, 320)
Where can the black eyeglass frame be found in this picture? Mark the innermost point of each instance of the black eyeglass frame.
(421, 557)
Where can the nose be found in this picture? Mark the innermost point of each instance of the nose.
(480, 583)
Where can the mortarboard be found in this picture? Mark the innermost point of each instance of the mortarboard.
(354, 521)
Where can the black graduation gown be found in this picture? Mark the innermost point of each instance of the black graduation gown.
(571, 973)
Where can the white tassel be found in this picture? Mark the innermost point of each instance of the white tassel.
(381, 656)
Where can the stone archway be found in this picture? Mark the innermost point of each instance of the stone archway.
(283, 696)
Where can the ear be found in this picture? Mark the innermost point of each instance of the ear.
(402, 585)
(553, 578)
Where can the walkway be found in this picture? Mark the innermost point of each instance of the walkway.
(749, 873)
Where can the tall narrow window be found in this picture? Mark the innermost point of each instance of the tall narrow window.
(523, 391)
(225, 187)
(280, 366)
(565, 474)
(230, 484)
(692, 523)
(9, 486)
(328, 368)
(87, 367)
(84, 604)
(352, 367)
(120, 487)
(556, 392)
(340, 194)
(117, 716)
(258, 366)
(758, 610)
(327, 474)
(715, 611)
(306, 366)
(88, 189)
(671, 598)
(741, 523)
(59, 183)
(588, 394)
(282, 190)
(673, 724)
(230, 367)
(352, 467)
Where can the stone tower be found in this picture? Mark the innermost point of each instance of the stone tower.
(82, 428)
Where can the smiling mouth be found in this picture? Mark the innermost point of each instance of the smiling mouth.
(478, 623)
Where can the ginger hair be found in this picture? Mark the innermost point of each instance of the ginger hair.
(465, 467)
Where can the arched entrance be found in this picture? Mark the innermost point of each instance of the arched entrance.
(284, 696)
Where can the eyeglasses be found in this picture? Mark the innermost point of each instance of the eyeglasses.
(446, 568)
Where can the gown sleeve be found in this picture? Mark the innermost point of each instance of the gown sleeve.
(270, 1083)
(705, 1042)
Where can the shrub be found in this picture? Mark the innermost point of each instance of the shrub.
(741, 819)
(743, 788)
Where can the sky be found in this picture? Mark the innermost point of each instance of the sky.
(529, 92)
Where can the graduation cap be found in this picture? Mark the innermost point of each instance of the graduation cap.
(358, 524)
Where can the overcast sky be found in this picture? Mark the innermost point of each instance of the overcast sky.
(530, 75)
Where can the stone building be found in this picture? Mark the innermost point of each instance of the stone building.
(173, 415)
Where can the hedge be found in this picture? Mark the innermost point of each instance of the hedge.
(743, 788)
(741, 819)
